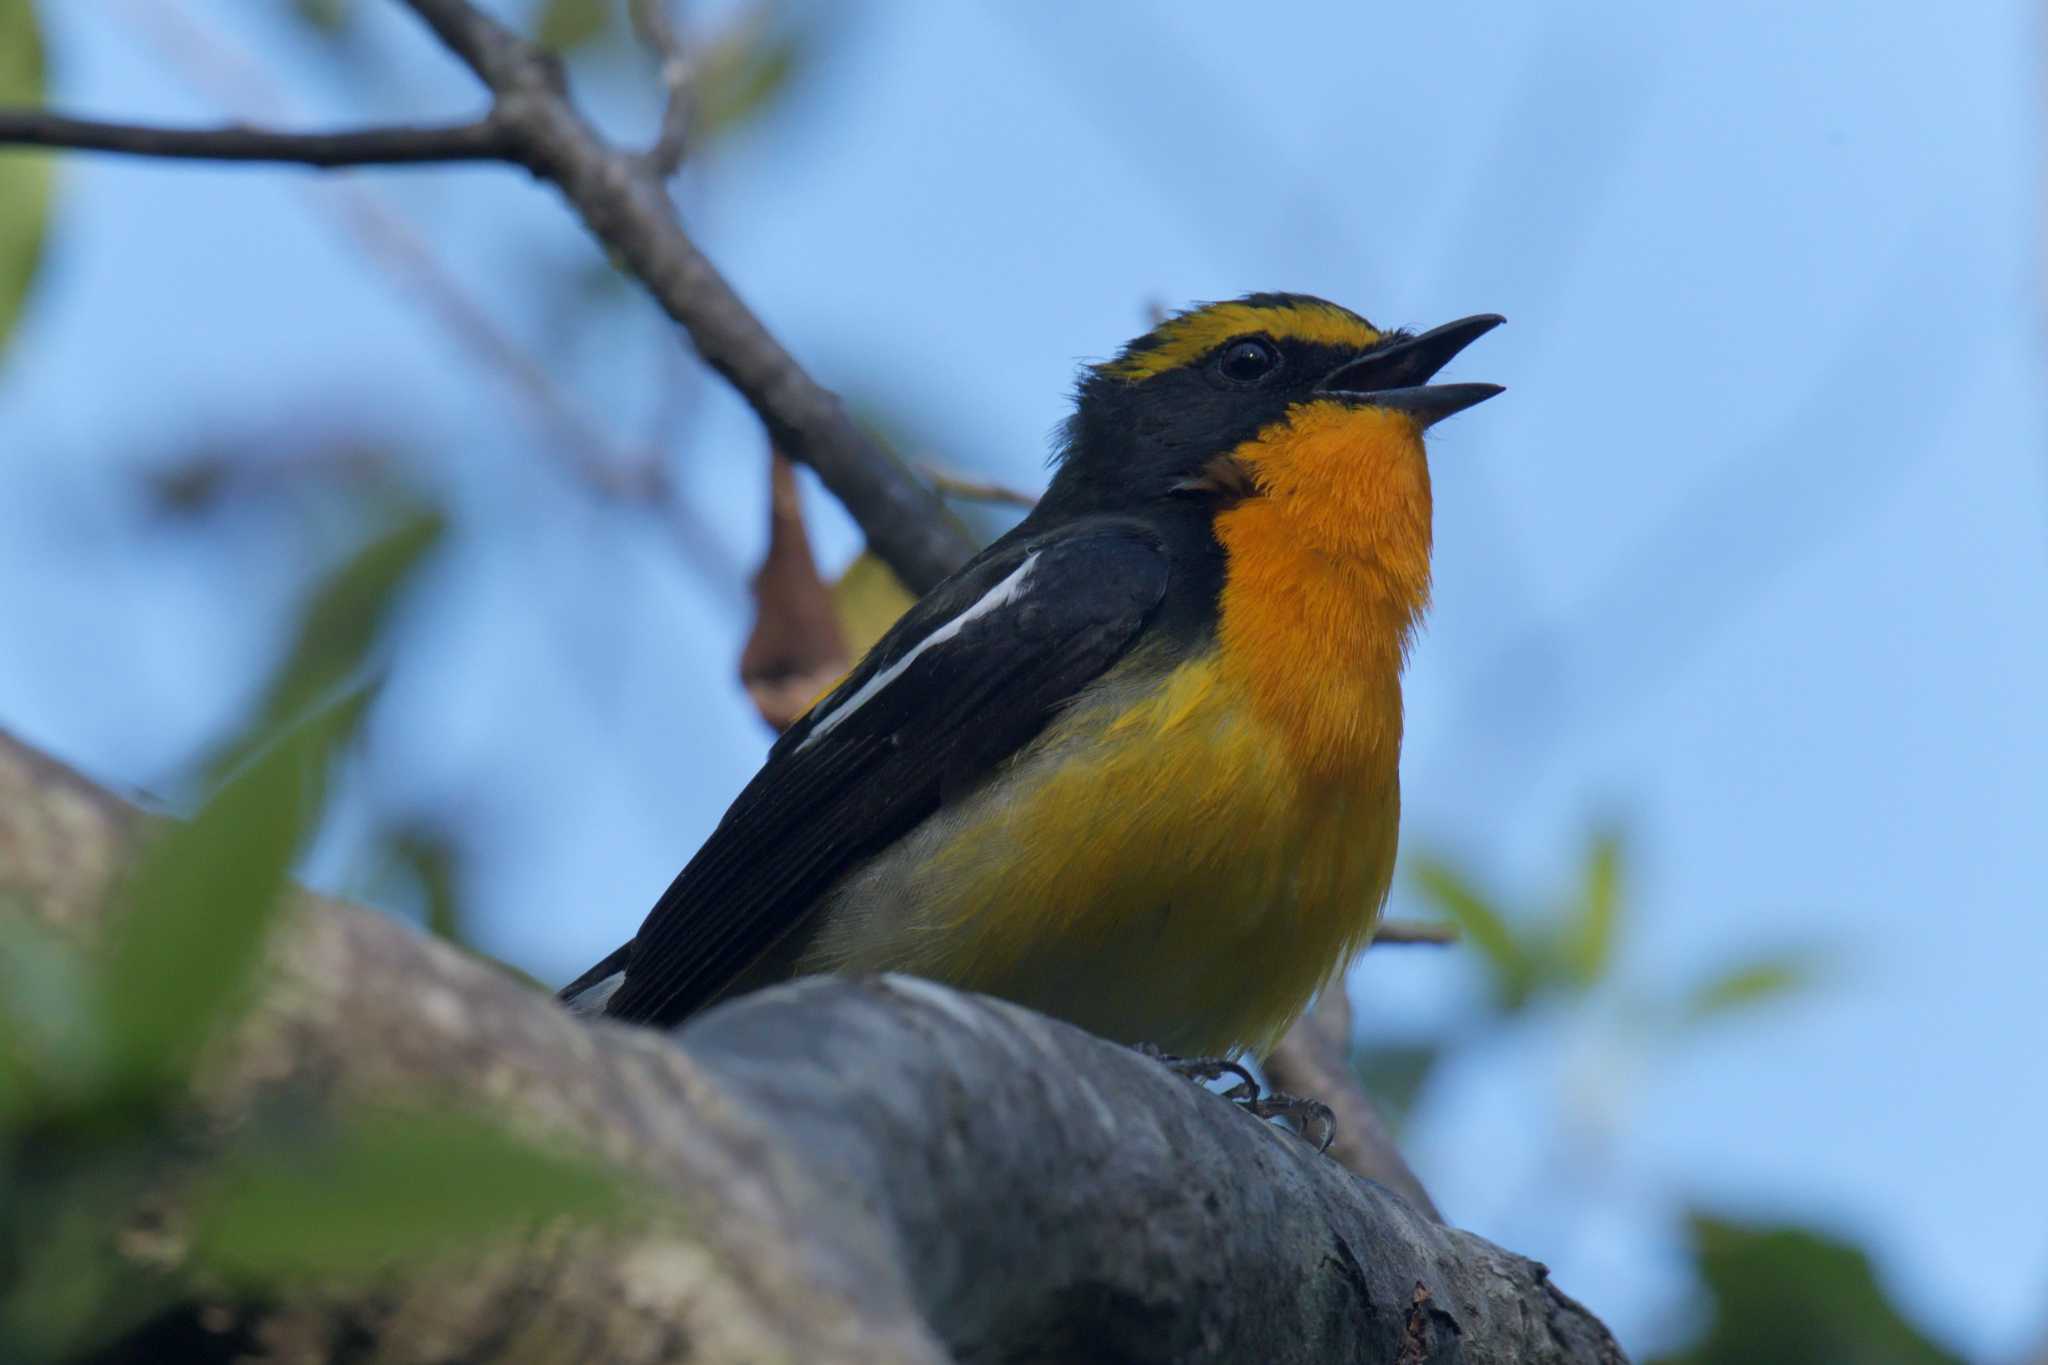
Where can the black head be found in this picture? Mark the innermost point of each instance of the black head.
(1152, 422)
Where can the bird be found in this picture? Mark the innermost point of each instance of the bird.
(1136, 765)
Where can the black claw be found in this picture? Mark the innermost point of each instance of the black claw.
(1309, 1117)
(1202, 1070)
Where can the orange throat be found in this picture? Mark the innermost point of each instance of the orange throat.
(1328, 574)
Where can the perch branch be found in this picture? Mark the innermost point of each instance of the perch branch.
(874, 1170)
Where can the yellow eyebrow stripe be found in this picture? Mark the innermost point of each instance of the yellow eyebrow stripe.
(1192, 335)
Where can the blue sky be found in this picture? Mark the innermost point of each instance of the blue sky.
(1752, 558)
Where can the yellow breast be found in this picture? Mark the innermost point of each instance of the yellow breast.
(1156, 868)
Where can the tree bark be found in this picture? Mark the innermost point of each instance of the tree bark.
(845, 1170)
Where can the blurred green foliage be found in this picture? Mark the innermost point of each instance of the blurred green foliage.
(428, 1183)
(1563, 953)
(427, 858)
(1567, 950)
(96, 1049)
(339, 629)
(1751, 982)
(742, 71)
(329, 16)
(1586, 945)
(200, 900)
(563, 25)
(1775, 1295)
(52, 1047)
(1512, 969)
(25, 176)
(1786, 1296)
(739, 69)
(1394, 1074)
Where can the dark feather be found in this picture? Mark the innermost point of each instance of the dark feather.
(849, 779)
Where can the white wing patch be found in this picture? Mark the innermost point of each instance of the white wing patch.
(592, 999)
(1009, 590)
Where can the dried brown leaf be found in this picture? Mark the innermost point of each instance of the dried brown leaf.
(797, 649)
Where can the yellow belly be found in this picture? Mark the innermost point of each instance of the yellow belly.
(1158, 867)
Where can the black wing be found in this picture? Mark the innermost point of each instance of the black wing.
(969, 676)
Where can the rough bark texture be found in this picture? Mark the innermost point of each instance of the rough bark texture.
(876, 1170)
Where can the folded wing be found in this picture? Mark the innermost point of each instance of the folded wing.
(966, 679)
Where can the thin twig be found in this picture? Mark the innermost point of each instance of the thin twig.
(483, 140)
(1415, 931)
(392, 242)
(626, 206)
(976, 490)
(494, 52)
(657, 29)
(388, 240)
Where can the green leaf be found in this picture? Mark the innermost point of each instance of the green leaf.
(25, 176)
(328, 16)
(426, 856)
(1513, 965)
(1788, 1296)
(51, 1040)
(341, 624)
(200, 899)
(742, 72)
(1589, 933)
(67, 1295)
(1759, 981)
(382, 1189)
(565, 25)
(1394, 1075)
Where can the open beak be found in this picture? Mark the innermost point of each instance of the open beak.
(1398, 376)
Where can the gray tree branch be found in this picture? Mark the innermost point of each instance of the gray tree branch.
(482, 140)
(876, 1170)
(622, 199)
(657, 30)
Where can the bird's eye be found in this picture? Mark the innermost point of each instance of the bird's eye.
(1248, 361)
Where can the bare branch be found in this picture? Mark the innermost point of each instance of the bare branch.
(657, 29)
(483, 140)
(394, 244)
(976, 490)
(1416, 931)
(494, 52)
(626, 206)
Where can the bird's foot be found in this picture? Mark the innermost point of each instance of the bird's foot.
(1312, 1120)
